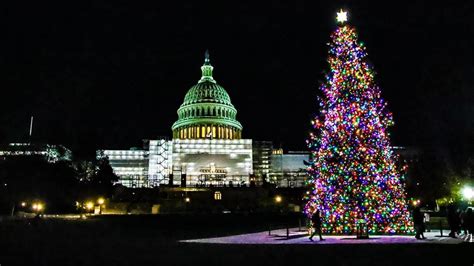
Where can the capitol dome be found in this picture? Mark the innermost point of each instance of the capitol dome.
(207, 111)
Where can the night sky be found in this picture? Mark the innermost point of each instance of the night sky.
(107, 75)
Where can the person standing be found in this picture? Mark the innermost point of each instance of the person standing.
(426, 220)
(453, 220)
(316, 223)
(418, 223)
(469, 224)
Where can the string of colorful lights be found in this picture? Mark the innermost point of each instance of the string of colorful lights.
(352, 167)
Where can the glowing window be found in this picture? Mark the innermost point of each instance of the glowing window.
(217, 195)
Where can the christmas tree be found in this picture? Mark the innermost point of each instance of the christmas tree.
(353, 171)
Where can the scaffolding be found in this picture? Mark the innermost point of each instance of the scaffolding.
(159, 162)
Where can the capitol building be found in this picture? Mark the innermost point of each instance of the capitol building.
(207, 148)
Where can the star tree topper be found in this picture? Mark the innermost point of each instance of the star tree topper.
(341, 16)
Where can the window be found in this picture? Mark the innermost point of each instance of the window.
(217, 195)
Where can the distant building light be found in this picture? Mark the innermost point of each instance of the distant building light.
(277, 151)
(217, 195)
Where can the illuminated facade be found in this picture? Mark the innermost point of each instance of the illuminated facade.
(131, 166)
(262, 158)
(212, 162)
(52, 153)
(288, 169)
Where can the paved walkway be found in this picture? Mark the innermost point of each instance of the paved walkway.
(298, 237)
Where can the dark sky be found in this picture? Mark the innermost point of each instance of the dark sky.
(106, 75)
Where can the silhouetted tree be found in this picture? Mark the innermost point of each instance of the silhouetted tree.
(30, 178)
(440, 173)
(96, 177)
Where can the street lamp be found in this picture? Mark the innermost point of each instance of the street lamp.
(89, 205)
(278, 199)
(100, 201)
(37, 207)
(468, 193)
(416, 203)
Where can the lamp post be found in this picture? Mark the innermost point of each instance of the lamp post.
(187, 200)
(278, 200)
(101, 202)
(89, 205)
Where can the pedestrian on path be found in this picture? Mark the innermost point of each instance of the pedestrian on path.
(469, 224)
(316, 223)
